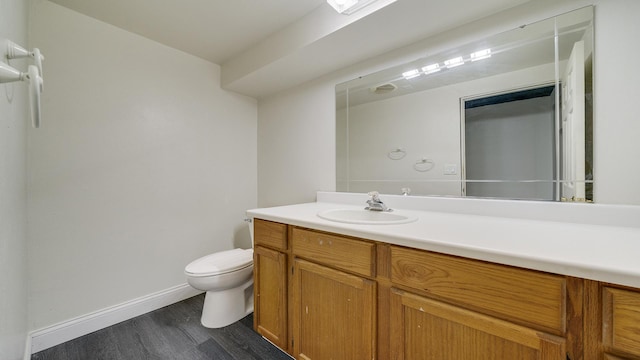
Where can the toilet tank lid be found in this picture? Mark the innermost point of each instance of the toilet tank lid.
(221, 262)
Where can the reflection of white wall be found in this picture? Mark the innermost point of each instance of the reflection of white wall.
(511, 141)
(427, 125)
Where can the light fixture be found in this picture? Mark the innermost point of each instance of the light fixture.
(482, 54)
(348, 7)
(384, 88)
(453, 62)
(411, 74)
(430, 69)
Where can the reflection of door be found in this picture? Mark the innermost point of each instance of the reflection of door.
(509, 144)
(572, 149)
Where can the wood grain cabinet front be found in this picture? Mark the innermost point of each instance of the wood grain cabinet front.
(621, 323)
(340, 252)
(270, 281)
(334, 314)
(426, 329)
(270, 234)
(333, 296)
(270, 295)
(530, 298)
(322, 296)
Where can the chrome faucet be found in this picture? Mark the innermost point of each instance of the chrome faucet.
(375, 204)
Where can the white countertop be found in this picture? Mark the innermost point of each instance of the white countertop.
(609, 253)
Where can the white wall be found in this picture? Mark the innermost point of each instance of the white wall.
(296, 145)
(143, 164)
(616, 167)
(14, 118)
(616, 125)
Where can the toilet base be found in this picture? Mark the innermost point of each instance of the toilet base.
(222, 308)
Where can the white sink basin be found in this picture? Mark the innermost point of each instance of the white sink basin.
(356, 216)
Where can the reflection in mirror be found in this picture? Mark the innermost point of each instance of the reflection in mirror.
(508, 116)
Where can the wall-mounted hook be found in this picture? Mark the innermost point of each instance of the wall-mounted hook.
(397, 154)
(423, 165)
(9, 74)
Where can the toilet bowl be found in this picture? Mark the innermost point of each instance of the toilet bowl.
(227, 278)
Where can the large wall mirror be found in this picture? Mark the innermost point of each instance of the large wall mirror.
(508, 116)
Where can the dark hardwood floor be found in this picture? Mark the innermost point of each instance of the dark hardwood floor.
(173, 332)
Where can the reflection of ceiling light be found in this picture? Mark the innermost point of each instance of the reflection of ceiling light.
(482, 54)
(453, 62)
(383, 89)
(430, 69)
(411, 74)
(348, 7)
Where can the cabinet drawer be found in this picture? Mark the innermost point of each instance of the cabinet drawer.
(524, 296)
(621, 320)
(340, 252)
(271, 234)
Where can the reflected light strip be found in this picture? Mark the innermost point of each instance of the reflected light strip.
(430, 69)
(482, 54)
(411, 74)
(453, 62)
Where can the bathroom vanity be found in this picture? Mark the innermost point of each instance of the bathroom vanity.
(328, 290)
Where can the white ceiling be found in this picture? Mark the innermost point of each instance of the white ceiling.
(214, 30)
(264, 46)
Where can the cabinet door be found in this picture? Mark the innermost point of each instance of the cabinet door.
(333, 314)
(423, 328)
(621, 322)
(270, 295)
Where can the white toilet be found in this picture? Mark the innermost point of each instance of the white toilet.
(227, 277)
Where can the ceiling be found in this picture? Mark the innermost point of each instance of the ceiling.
(214, 30)
(264, 46)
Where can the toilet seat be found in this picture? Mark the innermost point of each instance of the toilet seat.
(220, 263)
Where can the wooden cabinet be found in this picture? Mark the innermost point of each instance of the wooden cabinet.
(339, 252)
(426, 329)
(322, 296)
(621, 323)
(270, 285)
(334, 304)
(270, 295)
(270, 234)
(522, 296)
(333, 314)
(473, 309)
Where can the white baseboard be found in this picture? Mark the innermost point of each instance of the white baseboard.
(27, 348)
(50, 336)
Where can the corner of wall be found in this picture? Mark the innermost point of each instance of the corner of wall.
(13, 218)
